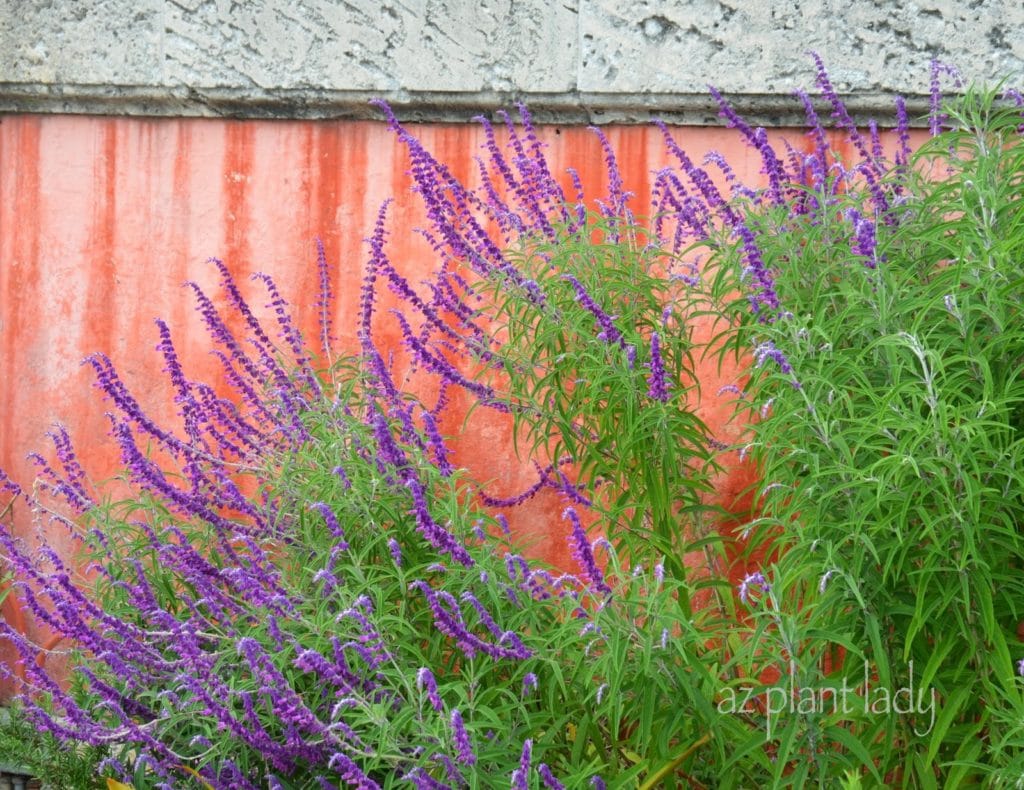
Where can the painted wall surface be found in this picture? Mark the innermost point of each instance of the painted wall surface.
(446, 59)
(103, 219)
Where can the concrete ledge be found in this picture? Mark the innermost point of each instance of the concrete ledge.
(574, 61)
(571, 107)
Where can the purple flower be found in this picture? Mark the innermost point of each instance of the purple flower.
(656, 385)
(864, 241)
(513, 501)
(343, 476)
(1020, 667)
(436, 362)
(520, 776)
(902, 133)
(609, 334)
(549, 779)
(461, 738)
(935, 116)
(324, 302)
(580, 549)
(756, 138)
(332, 522)
(751, 580)
(764, 301)
(870, 168)
(529, 683)
(436, 444)
(767, 350)
(597, 783)
(591, 628)
(437, 535)
(289, 332)
(396, 551)
(485, 616)
(421, 780)
(618, 198)
(425, 682)
(671, 200)
(367, 293)
(448, 619)
(1017, 98)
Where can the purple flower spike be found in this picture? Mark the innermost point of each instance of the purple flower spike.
(520, 775)
(656, 385)
(618, 198)
(902, 132)
(1014, 95)
(581, 552)
(864, 241)
(448, 619)
(332, 522)
(935, 117)
(326, 297)
(396, 551)
(549, 778)
(871, 167)
(461, 737)
(529, 683)
(767, 350)
(758, 139)
(751, 580)
(609, 334)
(425, 682)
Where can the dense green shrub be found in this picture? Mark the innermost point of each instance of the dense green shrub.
(888, 428)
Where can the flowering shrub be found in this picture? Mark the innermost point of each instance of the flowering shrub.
(310, 599)
(888, 421)
(300, 590)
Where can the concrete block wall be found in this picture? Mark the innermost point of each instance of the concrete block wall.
(572, 60)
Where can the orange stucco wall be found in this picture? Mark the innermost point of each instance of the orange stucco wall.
(103, 219)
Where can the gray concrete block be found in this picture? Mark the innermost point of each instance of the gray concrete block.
(449, 59)
(501, 45)
(92, 42)
(743, 46)
(369, 45)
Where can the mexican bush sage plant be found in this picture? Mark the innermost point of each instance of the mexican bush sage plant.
(296, 587)
(886, 411)
(299, 593)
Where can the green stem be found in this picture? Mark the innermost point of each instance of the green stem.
(665, 770)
